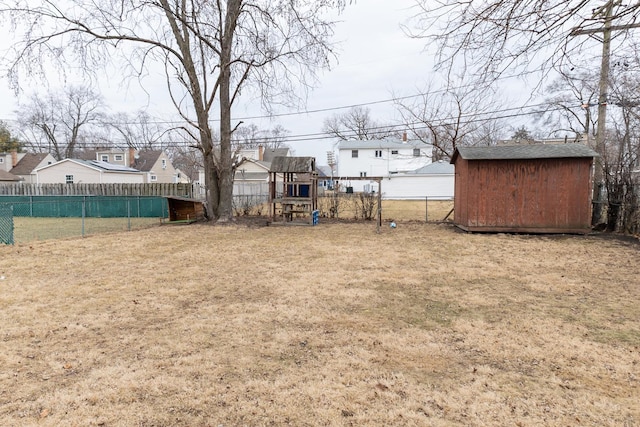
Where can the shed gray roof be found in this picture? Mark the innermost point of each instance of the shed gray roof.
(437, 168)
(521, 152)
(293, 164)
(380, 143)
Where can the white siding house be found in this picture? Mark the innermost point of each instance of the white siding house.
(75, 171)
(435, 181)
(380, 158)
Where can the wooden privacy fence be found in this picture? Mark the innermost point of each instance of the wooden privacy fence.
(153, 189)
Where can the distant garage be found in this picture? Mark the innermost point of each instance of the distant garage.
(533, 188)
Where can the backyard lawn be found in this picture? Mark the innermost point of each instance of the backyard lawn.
(335, 325)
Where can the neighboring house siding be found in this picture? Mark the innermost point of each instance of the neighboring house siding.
(382, 158)
(164, 172)
(412, 187)
(58, 172)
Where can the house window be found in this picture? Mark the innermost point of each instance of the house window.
(164, 163)
(1, 159)
(416, 152)
(68, 179)
(394, 151)
(154, 178)
(104, 158)
(354, 154)
(363, 174)
(117, 157)
(378, 153)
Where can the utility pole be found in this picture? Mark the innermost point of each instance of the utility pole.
(606, 30)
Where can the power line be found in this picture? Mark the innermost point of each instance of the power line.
(470, 118)
(328, 109)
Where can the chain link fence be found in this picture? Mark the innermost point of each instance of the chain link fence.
(29, 218)
(6, 225)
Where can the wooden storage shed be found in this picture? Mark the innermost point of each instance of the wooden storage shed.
(182, 209)
(533, 188)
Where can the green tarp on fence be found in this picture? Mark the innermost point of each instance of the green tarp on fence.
(87, 206)
(6, 225)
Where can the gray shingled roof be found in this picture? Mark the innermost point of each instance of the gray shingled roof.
(380, 143)
(8, 177)
(526, 151)
(293, 164)
(28, 163)
(271, 153)
(437, 168)
(145, 160)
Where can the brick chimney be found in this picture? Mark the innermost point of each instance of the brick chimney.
(132, 157)
(404, 137)
(260, 153)
(14, 158)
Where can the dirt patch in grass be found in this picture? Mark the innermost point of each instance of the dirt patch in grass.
(327, 325)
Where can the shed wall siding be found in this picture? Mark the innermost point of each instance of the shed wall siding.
(524, 195)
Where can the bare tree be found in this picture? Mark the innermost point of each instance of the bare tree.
(356, 123)
(569, 102)
(497, 36)
(59, 122)
(573, 97)
(449, 118)
(210, 51)
(139, 131)
(251, 136)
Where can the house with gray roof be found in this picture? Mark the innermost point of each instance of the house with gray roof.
(252, 174)
(380, 158)
(27, 164)
(76, 171)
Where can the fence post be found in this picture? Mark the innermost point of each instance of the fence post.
(84, 207)
(426, 208)
(129, 212)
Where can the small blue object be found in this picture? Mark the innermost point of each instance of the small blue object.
(315, 217)
(392, 225)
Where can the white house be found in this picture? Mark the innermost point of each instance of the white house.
(435, 181)
(154, 163)
(75, 171)
(27, 163)
(380, 158)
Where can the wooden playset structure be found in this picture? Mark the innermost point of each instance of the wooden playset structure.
(293, 191)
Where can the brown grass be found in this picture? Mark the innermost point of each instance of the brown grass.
(330, 325)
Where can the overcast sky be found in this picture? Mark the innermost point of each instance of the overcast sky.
(376, 61)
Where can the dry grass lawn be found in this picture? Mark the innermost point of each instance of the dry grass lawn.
(332, 325)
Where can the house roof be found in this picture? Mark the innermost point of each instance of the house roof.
(8, 177)
(28, 163)
(145, 160)
(271, 153)
(380, 143)
(95, 164)
(109, 167)
(293, 164)
(437, 168)
(522, 152)
(323, 170)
